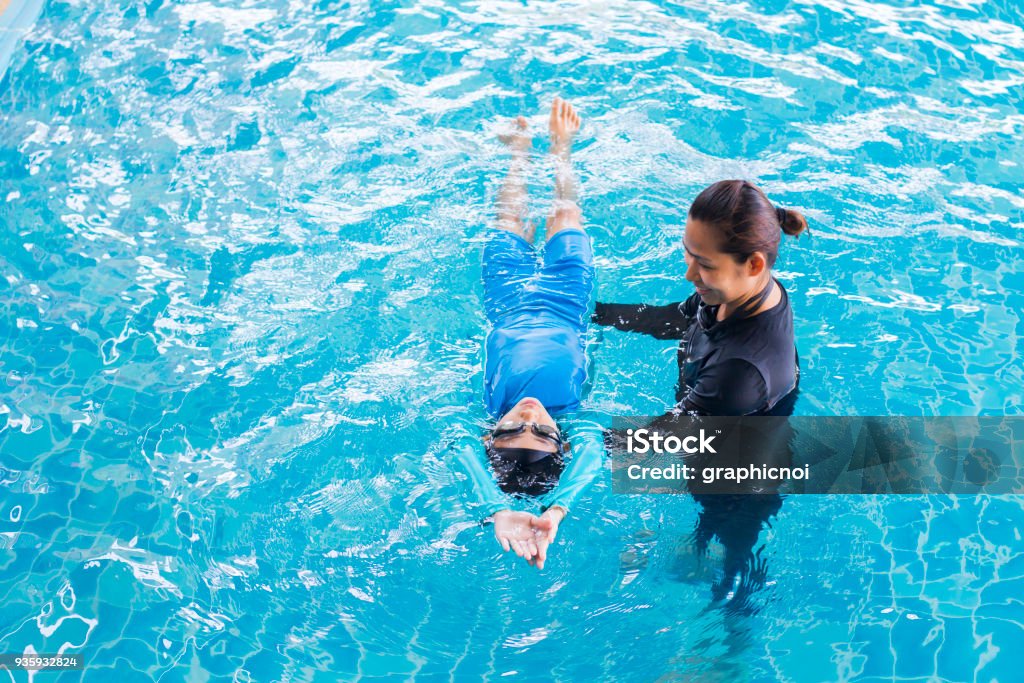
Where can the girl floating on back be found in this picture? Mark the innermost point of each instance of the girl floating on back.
(535, 363)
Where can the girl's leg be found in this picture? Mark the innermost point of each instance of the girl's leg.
(567, 276)
(512, 195)
(509, 257)
(565, 212)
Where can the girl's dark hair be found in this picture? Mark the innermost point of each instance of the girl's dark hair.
(745, 220)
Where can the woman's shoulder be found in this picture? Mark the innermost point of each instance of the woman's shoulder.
(775, 313)
(761, 338)
(777, 302)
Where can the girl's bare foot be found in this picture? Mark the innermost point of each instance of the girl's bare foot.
(564, 124)
(518, 138)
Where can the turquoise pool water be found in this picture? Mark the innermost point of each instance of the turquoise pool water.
(240, 260)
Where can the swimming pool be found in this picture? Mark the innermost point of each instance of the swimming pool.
(241, 270)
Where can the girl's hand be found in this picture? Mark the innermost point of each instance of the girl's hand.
(546, 527)
(515, 531)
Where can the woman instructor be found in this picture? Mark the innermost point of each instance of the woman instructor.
(737, 354)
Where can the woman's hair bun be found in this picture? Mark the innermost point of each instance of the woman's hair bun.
(792, 222)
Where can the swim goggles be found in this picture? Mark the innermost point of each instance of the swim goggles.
(511, 428)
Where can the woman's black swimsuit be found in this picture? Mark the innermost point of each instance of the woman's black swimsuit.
(743, 365)
(739, 366)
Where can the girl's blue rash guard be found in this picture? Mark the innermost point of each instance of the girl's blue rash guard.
(539, 313)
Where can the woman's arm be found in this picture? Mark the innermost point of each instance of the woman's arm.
(661, 322)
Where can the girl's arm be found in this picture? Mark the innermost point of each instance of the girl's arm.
(484, 497)
(587, 439)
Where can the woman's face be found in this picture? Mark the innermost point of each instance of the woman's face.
(716, 275)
